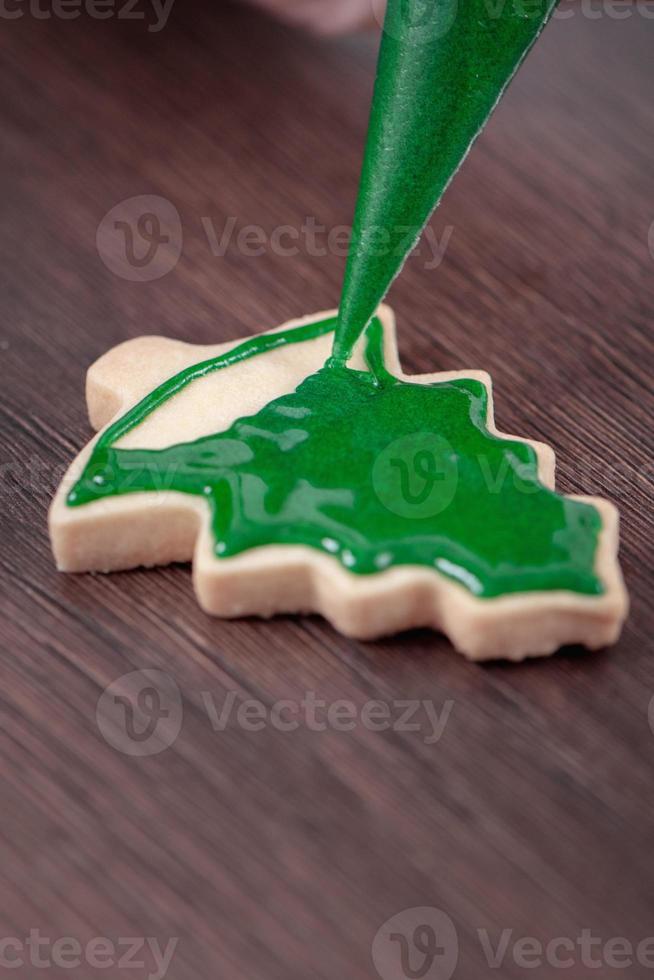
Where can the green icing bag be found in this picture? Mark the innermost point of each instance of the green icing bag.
(443, 67)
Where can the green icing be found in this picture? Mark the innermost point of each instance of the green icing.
(371, 469)
(443, 66)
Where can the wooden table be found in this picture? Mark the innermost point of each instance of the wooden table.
(274, 854)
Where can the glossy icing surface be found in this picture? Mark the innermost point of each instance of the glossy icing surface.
(371, 469)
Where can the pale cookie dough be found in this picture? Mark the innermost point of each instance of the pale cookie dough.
(147, 529)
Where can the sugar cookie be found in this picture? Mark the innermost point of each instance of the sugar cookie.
(296, 484)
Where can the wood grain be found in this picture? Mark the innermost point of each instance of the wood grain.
(272, 854)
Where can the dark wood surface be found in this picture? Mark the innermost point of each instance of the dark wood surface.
(272, 854)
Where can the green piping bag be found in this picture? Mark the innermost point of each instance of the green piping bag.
(443, 67)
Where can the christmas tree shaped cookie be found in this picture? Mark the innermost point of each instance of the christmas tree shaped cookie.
(296, 483)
